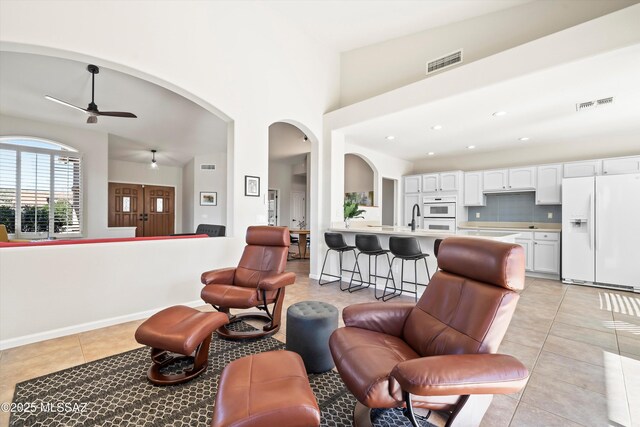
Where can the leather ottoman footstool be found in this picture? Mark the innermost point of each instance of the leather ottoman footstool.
(265, 389)
(183, 330)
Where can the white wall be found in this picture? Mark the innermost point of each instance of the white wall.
(207, 181)
(358, 175)
(94, 148)
(96, 294)
(139, 173)
(188, 197)
(364, 74)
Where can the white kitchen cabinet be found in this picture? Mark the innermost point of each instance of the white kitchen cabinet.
(548, 185)
(409, 201)
(622, 165)
(449, 181)
(546, 256)
(522, 178)
(586, 168)
(473, 195)
(430, 183)
(495, 180)
(412, 183)
(527, 244)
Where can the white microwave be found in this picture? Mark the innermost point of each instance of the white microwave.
(439, 207)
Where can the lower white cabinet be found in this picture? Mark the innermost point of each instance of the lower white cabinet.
(527, 244)
(546, 256)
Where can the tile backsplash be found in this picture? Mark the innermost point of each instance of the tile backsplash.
(515, 207)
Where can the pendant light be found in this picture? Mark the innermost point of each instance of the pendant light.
(153, 165)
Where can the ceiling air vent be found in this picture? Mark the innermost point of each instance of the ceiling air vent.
(444, 62)
(581, 106)
(207, 167)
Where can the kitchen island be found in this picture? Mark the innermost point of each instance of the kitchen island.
(426, 238)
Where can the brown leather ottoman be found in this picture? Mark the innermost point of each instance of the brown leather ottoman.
(183, 330)
(266, 389)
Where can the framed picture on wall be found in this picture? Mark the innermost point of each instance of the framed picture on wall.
(208, 198)
(252, 186)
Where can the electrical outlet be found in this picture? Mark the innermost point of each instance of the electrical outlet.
(549, 215)
(477, 214)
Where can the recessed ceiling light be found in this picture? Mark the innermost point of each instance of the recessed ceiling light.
(524, 138)
(499, 113)
(430, 153)
(471, 147)
(391, 137)
(436, 127)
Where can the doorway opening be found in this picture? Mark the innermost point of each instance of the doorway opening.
(289, 173)
(388, 202)
(274, 206)
(149, 208)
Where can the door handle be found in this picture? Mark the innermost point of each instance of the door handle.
(146, 217)
(141, 218)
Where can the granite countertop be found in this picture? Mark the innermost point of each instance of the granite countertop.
(512, 226)
(406, 231)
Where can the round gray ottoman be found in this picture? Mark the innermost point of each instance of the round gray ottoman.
(309, 325)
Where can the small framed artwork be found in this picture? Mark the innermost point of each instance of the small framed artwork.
(208, 198)
(252, 186)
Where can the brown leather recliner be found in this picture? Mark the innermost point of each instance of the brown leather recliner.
(258, 281)
(438, 352)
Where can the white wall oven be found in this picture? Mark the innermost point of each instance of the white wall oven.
(439, 213)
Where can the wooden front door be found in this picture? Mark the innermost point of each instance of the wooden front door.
(149, 208)
(158, 210)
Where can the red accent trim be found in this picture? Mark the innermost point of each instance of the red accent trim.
(84, 241)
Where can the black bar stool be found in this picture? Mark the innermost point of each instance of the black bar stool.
(369, 245)
(405, 249)
(336, 243)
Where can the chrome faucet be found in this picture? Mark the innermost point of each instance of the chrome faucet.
(413, 216)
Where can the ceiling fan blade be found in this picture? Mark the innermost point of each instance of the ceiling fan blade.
(116, 114)
(59, 101)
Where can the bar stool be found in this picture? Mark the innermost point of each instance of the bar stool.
(405, 249)
(335, 242)
(369, 245)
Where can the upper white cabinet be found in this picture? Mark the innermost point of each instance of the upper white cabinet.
(473, 195)
(522, 178)
(495, 179)
(449, 181)
(548, 185)
(623, 165)
(430, 183)
(412, 183)
(509, 179)
(578, 169)
(437, 182)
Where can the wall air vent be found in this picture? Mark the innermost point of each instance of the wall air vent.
(207, 168)
(581, 106)
(444, 62)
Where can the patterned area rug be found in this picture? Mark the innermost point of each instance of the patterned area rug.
(114, 391)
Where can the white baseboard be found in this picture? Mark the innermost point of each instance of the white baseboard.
(83, 327)
(314, 276)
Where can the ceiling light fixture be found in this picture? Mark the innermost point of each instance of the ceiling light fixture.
(390, 138)
(430, 153)
(471, 147)
(499, 113)
(524, 138)
(436, 127)
(154, 164)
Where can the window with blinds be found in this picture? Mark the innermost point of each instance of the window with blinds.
(40, 188)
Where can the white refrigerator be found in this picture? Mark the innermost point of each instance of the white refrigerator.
(601, 231)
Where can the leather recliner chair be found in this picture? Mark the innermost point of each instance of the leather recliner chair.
(439, 352)
(258, 281)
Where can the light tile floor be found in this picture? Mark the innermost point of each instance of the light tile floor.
(581, 344)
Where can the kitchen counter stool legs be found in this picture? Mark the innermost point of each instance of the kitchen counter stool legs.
(369, 245)
(336, 243)
(405, 249)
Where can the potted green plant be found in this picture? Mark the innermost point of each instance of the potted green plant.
(351, 211)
